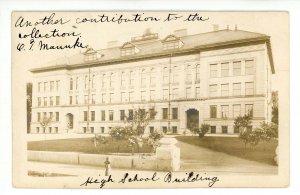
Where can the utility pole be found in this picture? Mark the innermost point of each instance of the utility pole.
(169, 99)
(88, 100)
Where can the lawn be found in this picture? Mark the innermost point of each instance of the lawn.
(235, 147)
(86, 145)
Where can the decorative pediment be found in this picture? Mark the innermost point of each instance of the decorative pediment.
(170, 38)
(127, 45)
(171, 42)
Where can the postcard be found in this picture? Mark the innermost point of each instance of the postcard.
(142, 99)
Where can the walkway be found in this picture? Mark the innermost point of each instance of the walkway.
(194, 158)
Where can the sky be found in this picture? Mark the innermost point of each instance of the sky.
(274, 24)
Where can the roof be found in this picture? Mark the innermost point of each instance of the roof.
(154, 48)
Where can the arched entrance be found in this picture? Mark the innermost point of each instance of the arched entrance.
(69, 120)
(192, 119)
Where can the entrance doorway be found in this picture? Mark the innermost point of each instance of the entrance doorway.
(69, 120)
(192, 119)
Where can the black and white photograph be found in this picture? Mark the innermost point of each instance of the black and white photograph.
(144, 99)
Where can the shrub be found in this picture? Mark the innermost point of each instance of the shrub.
(154, 138)
(204, 128)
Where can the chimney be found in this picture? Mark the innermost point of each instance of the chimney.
(180, 32)
(215, 27)
(111, 44)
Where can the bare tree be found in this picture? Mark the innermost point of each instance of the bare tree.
(45, 122)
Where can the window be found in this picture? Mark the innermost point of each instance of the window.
(56, 116)
(51, 101)
(197, 92)
(76, 84)
(45, 86)
(84, 129)
(102, 129)
(213, 70)
(236, 110)
(123, 96)
(38, 116)
(171, 45)
(45, 101)
(152, 76)
(50, 129)
(225, 89)
(224, 129)
(76, 99)
(57, 100)
(39, 101)
(103, 80)
(70, 100)
(213, 111)
(131, 78)
(51, 85)
(143, 77)
(225, 69)
(152, 95)
(236, 89)
(51, 115)
(130, 114)
(166, 75)
(57, 85)
(165, 94)
(93, 98)
(123, 79)
(249, 87)
(188, 73)
(71, 84)
(143, 95)
(151, 129)
(188, 92)
(102, 115)
(175, 74)
(86, 99)
(92, 129)
(92, 115)
(131, 96)
(213, 91)
(165, 129)
(165, 113)
(111, 80)
(85, 115)
(122, 115)
(236, 130)
(225, 111)
(111, 115)
(174, 113)
(152, 113)
(37, 129)
(213, 129)
(249, 67)
(93, 81)
(86, 82)
(174, 129)
(111, 97)
(56, 129)
(249, 109)
(198, 73)
(237, 68)
(39, 86)
(128, 51)
(103, 98)
(175, 93)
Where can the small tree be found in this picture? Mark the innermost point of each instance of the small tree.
(153, 139)
(266, 132)
(204, 128)
(45, 122)
(241, 123)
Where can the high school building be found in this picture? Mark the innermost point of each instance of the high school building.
(188, 80)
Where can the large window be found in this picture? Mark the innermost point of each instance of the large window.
(225, 69)
(165, 113)
(103, 98)
(175, 93)
(188, 92)
(237, 68)
(38, 116)
(213, 111)
(57, 85)
(71, 83)
(152, 95)
(198, 73)
(51, 85)
(86, 99)
(188, 76)
(174, 113)
(93, 81)
(45, 101)
(93, 98)
(39, 101)
(249, 88)
(213, 70)
(236, 110)
(249, 67)
(249, 109)
(131, 96)
(225, 89)
(165, 94)
(123, 79)
(111, 97)
(56, 116)
(143, 95)
(45, 86)
(152, 76)
(197, 92)
(236, 89)
(85, 115)
(122, 115)
(51, 101)
(213, 90)
(128, 51)
(171, 45)
(70, 100)
(111, 80)
(175, 76)
(39, 86)
(103, 80)
(102, 115)
(143, 77)
(130, 114)
(123, 96)
(224, 129)
(57, 100)
(225, 111)
(86, 82)
(111, 115)
(131, 78)
(166, 75)
(213, 129)
(152, 113)
(92, 115)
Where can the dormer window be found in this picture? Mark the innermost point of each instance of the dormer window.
(129, 49)
(91, 55)
(171, 42)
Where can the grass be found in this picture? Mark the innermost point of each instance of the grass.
(235, 147)
(86, 145)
